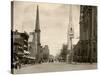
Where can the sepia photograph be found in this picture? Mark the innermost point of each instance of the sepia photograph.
(52, 37)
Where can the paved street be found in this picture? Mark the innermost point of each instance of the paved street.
(52, 67)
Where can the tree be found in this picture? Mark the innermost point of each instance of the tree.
(63, 52)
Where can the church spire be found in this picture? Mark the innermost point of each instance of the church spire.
(70, 26)
(70, 14)
(70, 36)
(37, 26)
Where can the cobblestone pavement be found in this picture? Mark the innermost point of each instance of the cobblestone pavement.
(53, 67)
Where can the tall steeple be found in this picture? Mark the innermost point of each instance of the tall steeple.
(70, 36)
(37, 26)
(70, 26)
(70, 33)
(37, 36)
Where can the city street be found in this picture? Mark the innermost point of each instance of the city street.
(53, 67)
(70, 38)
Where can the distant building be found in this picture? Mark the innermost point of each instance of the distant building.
(86, 49)
(51, 58)
(46, 53)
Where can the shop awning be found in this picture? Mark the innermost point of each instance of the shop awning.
(29, 57)
(26, 52)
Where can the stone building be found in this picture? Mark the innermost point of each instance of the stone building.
(37, 35)
(32, 45)
(35, 45)
(86, 49)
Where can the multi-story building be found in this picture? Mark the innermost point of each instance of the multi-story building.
(86, 49)
(19, 45)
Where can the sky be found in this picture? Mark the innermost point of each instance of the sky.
(54, 21)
